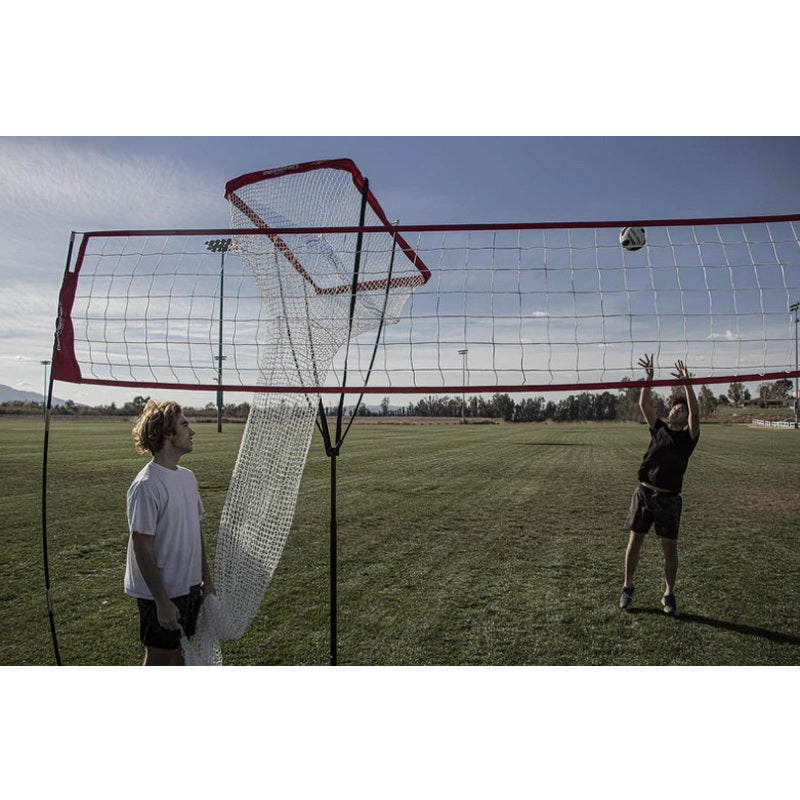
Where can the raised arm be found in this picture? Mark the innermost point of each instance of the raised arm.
(681, 373)
(645, 400)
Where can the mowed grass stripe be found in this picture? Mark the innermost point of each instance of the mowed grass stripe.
(495, 544)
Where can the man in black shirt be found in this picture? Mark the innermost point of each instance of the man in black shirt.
(657, 499)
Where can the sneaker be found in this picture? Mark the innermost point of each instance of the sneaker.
(670, 606)
(626, 598)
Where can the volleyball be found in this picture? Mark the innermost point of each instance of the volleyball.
(632, 238)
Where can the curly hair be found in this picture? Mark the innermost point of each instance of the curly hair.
(155, 423)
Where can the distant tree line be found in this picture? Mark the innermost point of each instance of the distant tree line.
(585, 406)
(622, 405)
(130, 409)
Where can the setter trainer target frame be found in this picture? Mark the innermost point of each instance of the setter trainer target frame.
(324, 296)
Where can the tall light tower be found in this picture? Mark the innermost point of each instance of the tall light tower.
(794, 307)
(463, 354)
(220, 246)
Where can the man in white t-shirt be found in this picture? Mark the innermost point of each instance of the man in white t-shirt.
(166, 570)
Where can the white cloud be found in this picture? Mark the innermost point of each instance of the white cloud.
(47, 181)
(729, 335)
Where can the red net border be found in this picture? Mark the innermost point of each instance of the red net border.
(65, 366)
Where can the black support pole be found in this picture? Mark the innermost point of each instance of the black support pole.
(46, 560)
(333, 444)
(331, 451)
(45, 452)
(334, 545)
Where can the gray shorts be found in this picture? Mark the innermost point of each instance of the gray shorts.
(651, 508)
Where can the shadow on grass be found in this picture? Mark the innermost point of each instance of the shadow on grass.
(748, 630)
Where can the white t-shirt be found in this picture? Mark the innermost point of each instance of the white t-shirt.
(165, 503)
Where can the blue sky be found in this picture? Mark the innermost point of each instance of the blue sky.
(51, 186)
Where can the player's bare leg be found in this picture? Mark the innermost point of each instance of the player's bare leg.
(632, 556)
(670, 547)
(631, 560)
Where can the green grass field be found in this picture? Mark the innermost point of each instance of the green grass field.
(458, 545)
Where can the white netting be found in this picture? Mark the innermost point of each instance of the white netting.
(537, 309)
(305, 327)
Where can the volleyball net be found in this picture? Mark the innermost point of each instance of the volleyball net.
(537, 308)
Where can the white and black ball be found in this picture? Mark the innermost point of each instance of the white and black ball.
(632, 238)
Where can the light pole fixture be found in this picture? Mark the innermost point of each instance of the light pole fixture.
(795, 307)
(463, 354)
(220, 246)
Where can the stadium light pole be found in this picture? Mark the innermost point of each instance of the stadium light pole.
(220, 246)
(795, 307)
(463, 354)
(45, 364)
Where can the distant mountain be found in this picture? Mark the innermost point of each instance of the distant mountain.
(9, 395)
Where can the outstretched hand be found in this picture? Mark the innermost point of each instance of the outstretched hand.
(646, 363)
(681, 370)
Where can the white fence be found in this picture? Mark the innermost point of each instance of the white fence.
(772, 423)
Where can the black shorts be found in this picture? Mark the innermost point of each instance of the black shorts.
(151, 634)
(649, 507)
